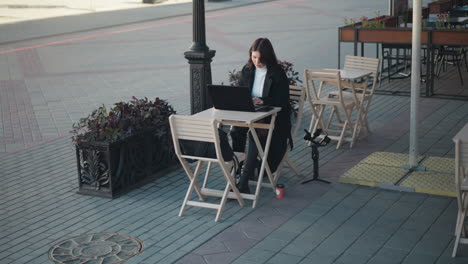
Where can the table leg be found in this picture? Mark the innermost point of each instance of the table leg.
(359, 116)
(264, 156)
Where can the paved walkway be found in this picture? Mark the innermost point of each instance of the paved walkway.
(39, 207)
(352, 224)
(314, 223)
(14, 11)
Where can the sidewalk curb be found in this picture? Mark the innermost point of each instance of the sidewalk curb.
(44, 28)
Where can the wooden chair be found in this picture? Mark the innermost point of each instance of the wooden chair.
(461, 185)
(203, 130)
(364, 93)
(334, 99)
(297, 94)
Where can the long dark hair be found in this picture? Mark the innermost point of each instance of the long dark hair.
(267, 53)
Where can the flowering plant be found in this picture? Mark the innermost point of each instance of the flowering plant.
(123, 120)
(442, 20)
(376, 22)
(349, 21)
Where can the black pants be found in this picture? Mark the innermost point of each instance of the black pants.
(251, 161)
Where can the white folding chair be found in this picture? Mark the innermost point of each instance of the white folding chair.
(461, 186)
(203, 130)
(297, 94)
(335, 99)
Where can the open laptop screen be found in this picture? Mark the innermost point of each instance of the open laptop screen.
(233, 98)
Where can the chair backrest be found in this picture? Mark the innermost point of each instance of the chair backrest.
(324, 77)
(461, 163)
(297, 93)
(195, 129)
(364, 64)
(461, 170)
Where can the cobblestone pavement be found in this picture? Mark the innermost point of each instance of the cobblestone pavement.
(48, 83)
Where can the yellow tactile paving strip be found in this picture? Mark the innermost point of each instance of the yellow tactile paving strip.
(372, 175)
(386, 168)
(431, 182)
(387, 159)
(436, 164)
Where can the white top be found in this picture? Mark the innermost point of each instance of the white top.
(257, 90)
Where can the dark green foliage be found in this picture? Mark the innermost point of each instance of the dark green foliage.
(123, 120)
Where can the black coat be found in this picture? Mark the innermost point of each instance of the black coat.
(275, 93)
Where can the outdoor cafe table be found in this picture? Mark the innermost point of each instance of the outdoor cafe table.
(250, 120)
(351, 77)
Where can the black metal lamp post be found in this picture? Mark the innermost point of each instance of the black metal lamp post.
(199, 57)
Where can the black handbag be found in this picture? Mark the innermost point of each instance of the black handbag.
(239, 138)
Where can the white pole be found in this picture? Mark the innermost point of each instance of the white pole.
(415, 84)
(390, 7)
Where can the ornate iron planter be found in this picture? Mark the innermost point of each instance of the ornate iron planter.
(109, 170)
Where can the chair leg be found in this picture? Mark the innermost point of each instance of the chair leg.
(231, 181)
(366, 110)
(458, 68)
(459, 227)
(223, 202)
(193, 185)
(330, 117)
(208, 169)
(343, 132)
(314, 123)
(455, 247)
(356, 127)
(465, 59)
(337, 113)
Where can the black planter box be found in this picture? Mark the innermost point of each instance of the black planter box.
(110, 170)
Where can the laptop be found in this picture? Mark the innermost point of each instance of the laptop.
(234, 98)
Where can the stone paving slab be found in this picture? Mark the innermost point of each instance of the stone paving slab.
(431, 182)
(437, 164)
(373, 175)
(387, 159)
(382, 169)
(352, 239)
(385, 213)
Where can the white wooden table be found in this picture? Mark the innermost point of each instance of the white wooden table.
(250, 120)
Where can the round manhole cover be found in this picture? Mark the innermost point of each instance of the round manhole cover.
(97, 248)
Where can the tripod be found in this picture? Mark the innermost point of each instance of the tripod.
(315, 153)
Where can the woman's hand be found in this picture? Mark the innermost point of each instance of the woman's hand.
(257, 100)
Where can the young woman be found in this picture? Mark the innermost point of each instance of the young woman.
(269, 85)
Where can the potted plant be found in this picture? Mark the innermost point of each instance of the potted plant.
(123, 147)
